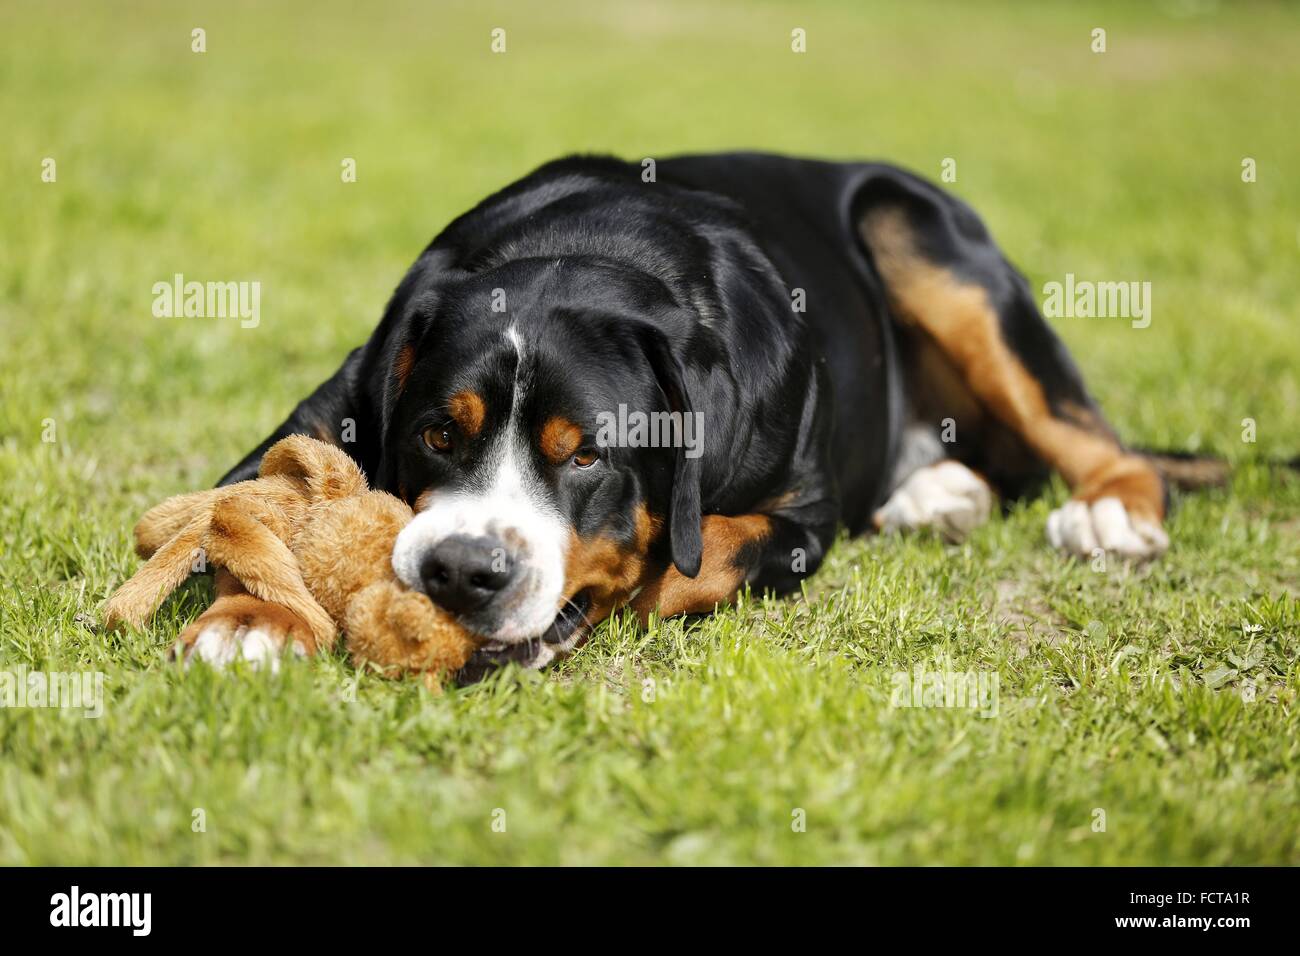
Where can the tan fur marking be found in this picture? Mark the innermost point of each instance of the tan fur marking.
(236, 611)
(560, 439)
(234, 608)
(720, 577)
(1087, 419)
(610, 570)
(778, 502)
(467, 410)
(402, 366)
(1133, 481)
(963, 323)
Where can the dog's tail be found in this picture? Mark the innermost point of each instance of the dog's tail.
(1188, 471)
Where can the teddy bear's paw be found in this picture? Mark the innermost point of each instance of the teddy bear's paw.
(243, 628)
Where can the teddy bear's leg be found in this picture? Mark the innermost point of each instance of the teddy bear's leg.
(239, 626)
(171, 564)
(264, 605)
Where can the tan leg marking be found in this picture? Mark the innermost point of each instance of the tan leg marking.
(963, 323)
(239, 626)
(721, 571)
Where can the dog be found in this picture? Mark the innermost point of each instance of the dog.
(814, 345)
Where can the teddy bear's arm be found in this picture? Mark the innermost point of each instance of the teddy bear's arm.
(263, 564)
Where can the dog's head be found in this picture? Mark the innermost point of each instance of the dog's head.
(542, 427)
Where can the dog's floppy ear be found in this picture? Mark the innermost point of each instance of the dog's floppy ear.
(684, 511)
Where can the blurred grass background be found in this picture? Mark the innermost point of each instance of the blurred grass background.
(225, 165)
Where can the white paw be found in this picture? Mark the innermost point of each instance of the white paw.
(947, 497)
(1082, 530)
(219, 646)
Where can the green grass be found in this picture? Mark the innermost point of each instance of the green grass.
(1123, 690)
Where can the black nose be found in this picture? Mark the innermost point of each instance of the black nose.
(464, 574)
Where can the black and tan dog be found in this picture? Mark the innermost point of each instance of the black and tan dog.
(814, 345)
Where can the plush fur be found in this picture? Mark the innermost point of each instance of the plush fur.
(308, 535)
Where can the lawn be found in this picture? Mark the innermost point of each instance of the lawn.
(1143, 715)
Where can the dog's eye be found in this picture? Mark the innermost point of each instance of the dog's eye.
(439, 437)
(586, 457)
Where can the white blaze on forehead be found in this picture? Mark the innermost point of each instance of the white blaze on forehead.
(513, 335)
(511, 506)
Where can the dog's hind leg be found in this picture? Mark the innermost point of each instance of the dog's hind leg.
(947, 283)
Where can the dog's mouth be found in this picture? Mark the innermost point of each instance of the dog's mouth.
(569, 620)
(566, 632)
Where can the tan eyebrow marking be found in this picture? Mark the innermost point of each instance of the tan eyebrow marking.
(467, 410)
(560, 438)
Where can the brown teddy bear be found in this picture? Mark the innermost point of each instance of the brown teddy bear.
(309, 535)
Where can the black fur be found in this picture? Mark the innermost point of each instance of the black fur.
(675, 294)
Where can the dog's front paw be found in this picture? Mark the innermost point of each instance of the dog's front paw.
(948, 497)
(1082, 529)
(243, 628)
